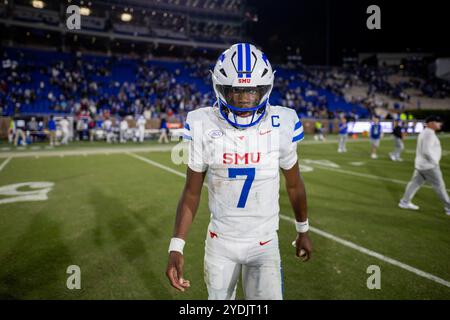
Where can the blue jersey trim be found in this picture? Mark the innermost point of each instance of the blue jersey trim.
(298, 137)
(185, 136)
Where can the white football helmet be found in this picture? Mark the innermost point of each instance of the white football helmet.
(242, 75)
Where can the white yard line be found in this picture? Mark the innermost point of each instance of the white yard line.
(327, 235)
(84, 151)
(96, 151)
(54, 152)
(366, 175)
(157, 164)
(374, 254)
(155, 148)
(4, 163)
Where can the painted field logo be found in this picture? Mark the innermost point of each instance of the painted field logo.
(11, 193)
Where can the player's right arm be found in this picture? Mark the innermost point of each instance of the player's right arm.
(186, 210)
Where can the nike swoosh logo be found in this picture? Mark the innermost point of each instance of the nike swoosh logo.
(264, 243)
(263, 133)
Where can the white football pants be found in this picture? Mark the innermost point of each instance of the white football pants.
(257, 258)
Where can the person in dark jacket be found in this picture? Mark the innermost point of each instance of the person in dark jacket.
(398, 134)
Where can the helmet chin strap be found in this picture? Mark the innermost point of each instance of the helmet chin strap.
(228, 112)
(243, 121)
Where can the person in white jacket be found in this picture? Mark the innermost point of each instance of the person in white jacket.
(123, 130)
(64, 123)
(428, 155)
(141, 128)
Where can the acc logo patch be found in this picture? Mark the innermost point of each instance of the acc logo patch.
(215, 134)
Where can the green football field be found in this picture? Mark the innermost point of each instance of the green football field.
(111, 212)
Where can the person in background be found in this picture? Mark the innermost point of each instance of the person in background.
(427, 169)
(20, 132)
(141, 128)
(399, 135)
(375, 136)
(52, 130)
(32, 127)
(108, 127)
(80, 129)
(147, 113)
(123, 130)
(318, 128)
(91, 127)
(163, 130)
(343, 134)
(403, 117)
(64, 123)
(11, 131)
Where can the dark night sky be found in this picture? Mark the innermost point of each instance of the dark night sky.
(419, 26)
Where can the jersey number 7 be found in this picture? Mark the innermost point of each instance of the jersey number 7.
(250, 173)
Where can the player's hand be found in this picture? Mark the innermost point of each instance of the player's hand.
(303, 246)
(174, 271)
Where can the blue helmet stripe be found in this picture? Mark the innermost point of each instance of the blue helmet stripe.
(240, 68)
(248, 60)
(265, 59)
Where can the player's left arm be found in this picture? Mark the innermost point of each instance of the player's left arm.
(297, 196)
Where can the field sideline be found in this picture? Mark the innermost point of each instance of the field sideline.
(113, 214)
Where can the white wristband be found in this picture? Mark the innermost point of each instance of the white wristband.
(176, 244)
(302, 227)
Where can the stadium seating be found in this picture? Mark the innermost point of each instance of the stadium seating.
(55, 82)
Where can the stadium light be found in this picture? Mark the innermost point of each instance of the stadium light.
(126, 17)
(85, 11)
(37, 4)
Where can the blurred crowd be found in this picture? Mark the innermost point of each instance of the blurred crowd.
(80, 87)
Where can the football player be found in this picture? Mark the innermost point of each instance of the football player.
(375, 136)
(343, 135)
(241, 143)
(140, 125)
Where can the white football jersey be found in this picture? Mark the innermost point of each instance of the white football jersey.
(123, 125)
(243, 167)
(64, 125)
(107, 125)
(141, 123)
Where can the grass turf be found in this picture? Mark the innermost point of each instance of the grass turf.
(113, 215)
